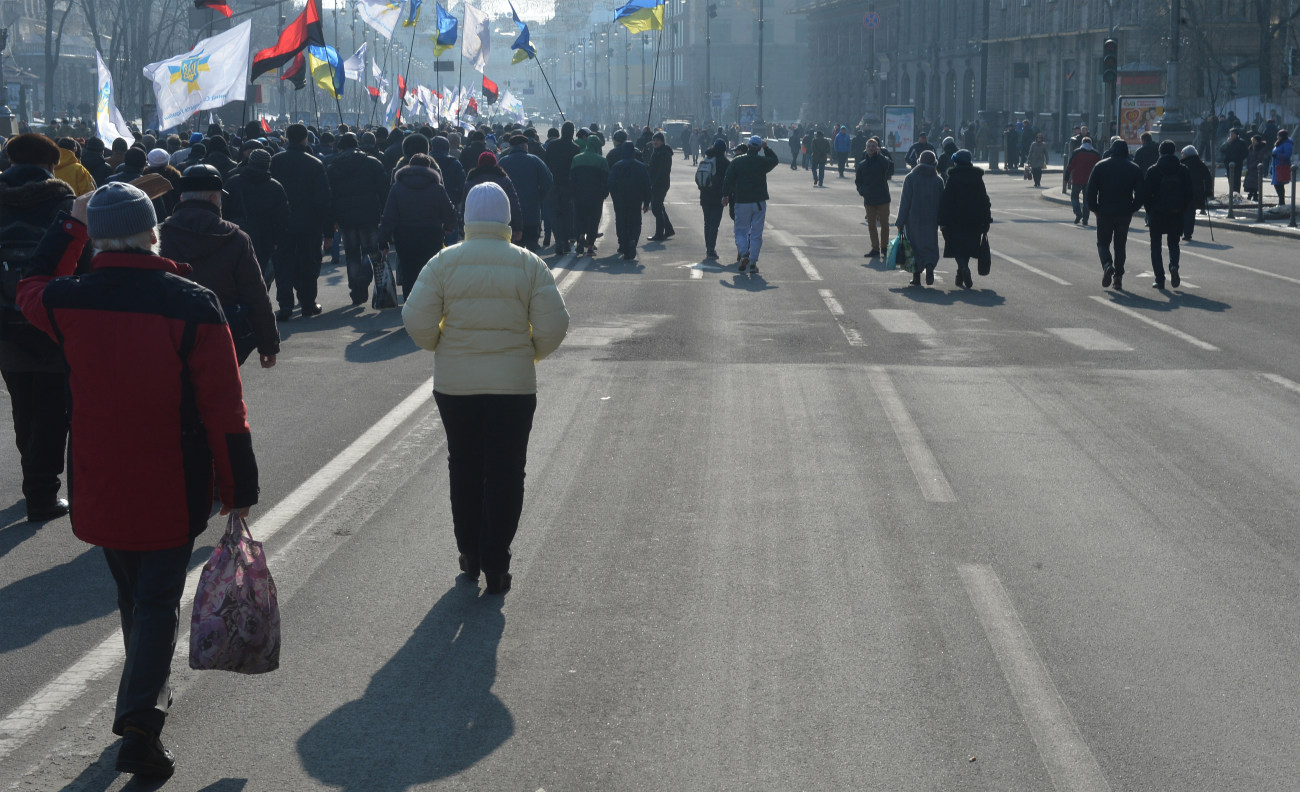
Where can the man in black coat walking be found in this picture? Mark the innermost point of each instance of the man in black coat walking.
(259, 206)
(629, 187)
(660, 161)
(298, 260)
(1114, 193)
(1169, 195)
(1147, 153)
(558, 156)
(359, 186)
(1233, 153)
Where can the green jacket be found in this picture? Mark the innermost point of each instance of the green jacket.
(746, 179)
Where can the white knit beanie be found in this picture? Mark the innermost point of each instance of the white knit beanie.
(487, 203)
(158, 157)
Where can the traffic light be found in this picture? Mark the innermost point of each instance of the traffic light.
(1110, 62)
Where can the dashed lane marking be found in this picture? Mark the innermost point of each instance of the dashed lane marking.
(1089, 339)
(837, 311)
(1032, 269)
(1173, 331)
(1278, 379)
(1255, 270)
(895, 320)
(934, 485)
(807, 265)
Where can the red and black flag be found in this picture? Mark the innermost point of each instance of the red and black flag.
(216, 5)
(301, 32)
(490, 91)
(297, 72)
(266, 127)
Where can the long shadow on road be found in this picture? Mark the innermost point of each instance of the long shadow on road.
(429, 713)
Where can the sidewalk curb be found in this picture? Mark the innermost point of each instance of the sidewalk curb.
(1220, 220)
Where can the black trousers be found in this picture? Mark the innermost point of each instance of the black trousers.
(40, 409)
(487, 450)
(712, 221)
(359, 240)
(414, 246)
(297, 268)
(1113, 229)
(663, 225)
(586, 216)
(149, 588)
(1157, 262)
(562, 219)
(627, 223)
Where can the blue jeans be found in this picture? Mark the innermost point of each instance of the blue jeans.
(1076, 200)
(819, 172)
(750, 218)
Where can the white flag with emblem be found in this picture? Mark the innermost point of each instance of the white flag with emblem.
(382, 15)
(477, 44)
(355, 66)
(212, 75)
(109, 124)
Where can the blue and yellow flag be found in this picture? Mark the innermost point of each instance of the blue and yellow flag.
(523, 48)
(638, 16)
(326, 69)
(445, 38)
(414, 15)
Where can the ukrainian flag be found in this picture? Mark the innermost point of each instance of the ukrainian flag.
(445, 38)
(326, 69)
(639, 16)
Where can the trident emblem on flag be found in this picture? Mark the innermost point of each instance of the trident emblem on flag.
(188, 72)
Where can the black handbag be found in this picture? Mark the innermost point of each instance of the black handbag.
(985, 259)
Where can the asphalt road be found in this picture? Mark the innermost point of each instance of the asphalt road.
(810, 529)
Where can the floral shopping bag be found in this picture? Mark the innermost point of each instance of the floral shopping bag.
(236, 622)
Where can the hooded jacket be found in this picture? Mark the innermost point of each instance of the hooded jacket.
(489, 311)
(629, 179)
(417, 201)
(157, 404)
(589, 172)
(358, 188)
(712, 196)
(73, 172)
(453, 173)
(965, 212)
(1114, 187)
(222, 259)
(258, 205)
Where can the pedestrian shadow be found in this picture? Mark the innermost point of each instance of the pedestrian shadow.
(372, 346)
(747, 281)
(615, 265)
(14, 528)
(428, 714)
(878, 264)
(29, 610)
(1199, 245)
(1173, 301)
(980, 298)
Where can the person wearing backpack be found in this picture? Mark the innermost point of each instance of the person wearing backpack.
(1202, 188)
(1113, 193)
(32, 364)
(709, 177)
(874, 170)
(1169, 196)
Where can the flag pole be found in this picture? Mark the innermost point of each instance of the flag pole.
(654, 81)
(460, 79)
(549, 88)
(409, 55)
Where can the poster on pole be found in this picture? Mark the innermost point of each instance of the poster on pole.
(900, 123)
(1137, 114)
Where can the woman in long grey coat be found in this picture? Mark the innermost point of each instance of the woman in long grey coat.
(918, 215)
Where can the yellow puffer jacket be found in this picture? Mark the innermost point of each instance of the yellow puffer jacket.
(73, 172)
(489, 311)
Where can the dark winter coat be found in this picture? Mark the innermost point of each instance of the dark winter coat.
(417, 201)
(589, 173)
(222, 259)
(358, 187)
(1114, 186)
(259, 205)
(221, 161)
(494, 174)
(30, 194)
(965, 212)
(166, 204)
(660, 163)
(629, 179)
(99, 168)
(532, 180)
(157, 404)
(1233, 151)
(712, 196)
(1146, 156)
(872, 178)
(308, 188)
(469, 156)
(1257, 159)
(1202, 181)
(559, 158)
(453, 173)
(746, 179)
(1081, 164)
(1167, 222)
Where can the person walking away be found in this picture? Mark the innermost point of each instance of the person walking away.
(1202, 189)
(1077, 173)
(417, 216)
(745, 186)
(1114, 192)
(1169, 194)
(949, 148)
(489, 311)
(1258, 156)
(70, 169)
(488, 170)
(806, 146)
(221, 259)
(842, 147)
(874, 170)
(918, 215)
(1011, 145)
(684, 141)
(259, 206)
(796, 143)
(709, 179)
(1147, 153)
(965, 214)
(532, 181)
(660, 163)
(1233, 153)
(92, 158)
(298, 257)
(1037, 158)
(630, 190)
(32, 364)
(589, 183)
(821, 151)
(453, 176)
(1281, 155)
(150, 427)
(559, 158)
(359, 189)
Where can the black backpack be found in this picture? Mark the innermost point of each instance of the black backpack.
(1171, 192)
(18, 242)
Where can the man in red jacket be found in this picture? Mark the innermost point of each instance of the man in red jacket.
(157, 406)
(1077, 171)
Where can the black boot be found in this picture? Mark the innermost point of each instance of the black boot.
(142, 753)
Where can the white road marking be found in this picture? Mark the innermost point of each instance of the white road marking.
(901, 321)
(1061, 746)
(934, 485)
(1255, 270)
(697, 273)
(1182, 284)
(579, 266)
(1278, 379)
(29, 717)
(1029, 268)
(783, 237)
(833, 305)
(1173, 331)
(807, 265)
(1087, 338)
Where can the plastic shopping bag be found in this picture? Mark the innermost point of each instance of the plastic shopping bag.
(385, 285)
(236, 621)
(891, 256)
(900, 253)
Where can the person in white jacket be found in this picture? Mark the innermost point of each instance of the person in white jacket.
(488, 310)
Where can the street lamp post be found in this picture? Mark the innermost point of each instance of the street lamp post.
(759, 87)
(6, 115)
(709, 13)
